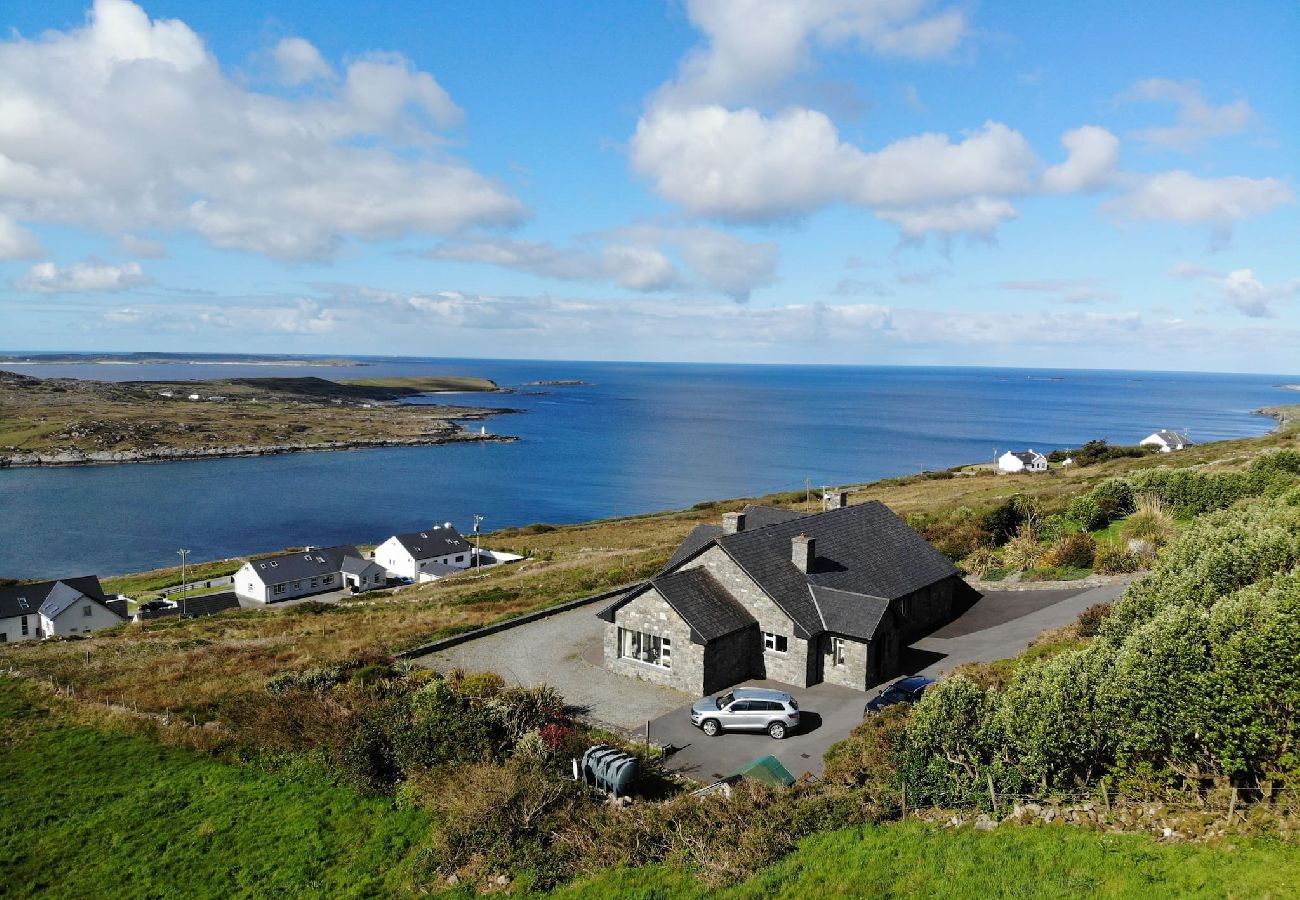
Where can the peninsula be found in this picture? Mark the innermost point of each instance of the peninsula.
(70, 421)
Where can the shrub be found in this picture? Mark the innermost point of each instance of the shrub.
(981, 562)
(1150, 522)
(1023, 551)
(1074, 551)
(1091, 618)
(481, 684)
(1112, 559)
(1005, 520)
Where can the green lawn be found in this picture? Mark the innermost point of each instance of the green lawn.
(915, 860)
(89, 812)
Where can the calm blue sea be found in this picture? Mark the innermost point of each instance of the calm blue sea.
(641, 437)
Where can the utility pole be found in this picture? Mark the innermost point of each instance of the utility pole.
(185, 584)
(478, 543)
(807, 483)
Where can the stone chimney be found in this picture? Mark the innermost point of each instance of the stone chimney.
(836, 499)
(733, 522)
(803, 550)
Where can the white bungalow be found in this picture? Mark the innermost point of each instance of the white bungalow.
(1030, 461)
(423, 555)
(1167, 441)
(311, 571)
(71, 606)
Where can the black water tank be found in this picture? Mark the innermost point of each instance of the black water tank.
(609, 769)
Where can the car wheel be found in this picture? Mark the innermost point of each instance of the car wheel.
(710, 727)
(776, 730)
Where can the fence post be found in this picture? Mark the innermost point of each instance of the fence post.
(1232, 803)
(904, 801)
(993, 795)
(1105, 795)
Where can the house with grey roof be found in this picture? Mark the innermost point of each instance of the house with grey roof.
(1167, 441)
(315, 570)
(425, 555)
(1027, 461)
(69, 606)
(800, 599)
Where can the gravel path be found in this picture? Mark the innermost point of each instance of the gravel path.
(564, 651)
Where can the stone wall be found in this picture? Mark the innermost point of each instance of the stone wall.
(792, 667)
(730, 660)
(924, 610)
(853, 673)
(651, 614)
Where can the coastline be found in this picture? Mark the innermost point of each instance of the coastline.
(66, 458)
(1284, 416)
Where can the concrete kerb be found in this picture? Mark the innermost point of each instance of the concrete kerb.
(467, 636)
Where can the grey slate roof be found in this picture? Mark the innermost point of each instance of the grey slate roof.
(355, 565)
(303, 564)
(203, 605)
(696, 596)
(434, 542)
(852, 615)
(1027, 457)
(863, 549)
(697, 540)
(27, 599)
(1174, 437)
(762, 516)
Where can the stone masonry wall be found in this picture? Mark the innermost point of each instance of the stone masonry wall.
(730, 660)
(853, 673)
(651, 614)
(924, 610)
(791, 667)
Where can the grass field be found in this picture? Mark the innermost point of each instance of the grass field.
(86, 811)
(916, 860)
(428, 383)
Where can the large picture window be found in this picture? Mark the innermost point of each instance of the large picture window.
(774, 643)
(647, 648)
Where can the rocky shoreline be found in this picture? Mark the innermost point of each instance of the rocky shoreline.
(74, 457)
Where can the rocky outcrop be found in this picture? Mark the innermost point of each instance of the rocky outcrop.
(75, 457)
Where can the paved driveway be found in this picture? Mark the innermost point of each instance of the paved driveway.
(999, 626)
(565, 651)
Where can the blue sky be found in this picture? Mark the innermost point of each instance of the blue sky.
(842, 181)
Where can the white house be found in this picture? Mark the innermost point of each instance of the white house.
(311, 571)
(422, 555)
(1167, 441)
(57, 609)
(1030, 461)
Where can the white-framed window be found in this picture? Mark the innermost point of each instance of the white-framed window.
(775, 643)
(297, 585)
(837, 651)
(651, 649)
(24, 625)
(313, 582)
(460, 558)
(327, 579)
(86, 611)
(280, 588)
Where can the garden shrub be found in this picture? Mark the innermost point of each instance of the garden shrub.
(1023, 551)
(1112, 559)
(1075, 551)
(1091, 618)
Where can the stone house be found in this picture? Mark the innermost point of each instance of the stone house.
(799, 599)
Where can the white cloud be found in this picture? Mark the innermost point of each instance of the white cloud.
(129, 125)
(1179, 196)
(1072, 291)
(1241, 291)
(742, 165)
(637, 258)
(299, 62)
(639, 268)
(754, 45)
(16, 242)
(977, 216)
(87, 277)
(1094, 156)
(1198, 120)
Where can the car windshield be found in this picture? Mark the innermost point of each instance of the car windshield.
(725, 700)
(893, 695)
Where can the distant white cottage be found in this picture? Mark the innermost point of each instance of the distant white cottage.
(1167, 441)
(1030, 461)
(71, 606)
(425, 555)
(312, 571)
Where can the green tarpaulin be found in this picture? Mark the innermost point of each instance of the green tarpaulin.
(767, 770)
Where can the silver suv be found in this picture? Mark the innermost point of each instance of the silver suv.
(747, 709)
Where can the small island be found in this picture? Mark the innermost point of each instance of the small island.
(71, 421)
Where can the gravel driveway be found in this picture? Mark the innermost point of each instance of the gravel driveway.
(566, 652)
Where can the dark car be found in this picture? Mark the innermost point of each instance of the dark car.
(905, 690)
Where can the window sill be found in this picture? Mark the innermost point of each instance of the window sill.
(645, 665)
